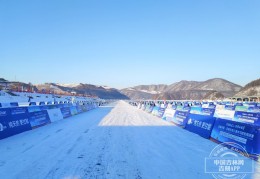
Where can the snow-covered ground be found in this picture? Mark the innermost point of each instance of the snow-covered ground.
(118, 141)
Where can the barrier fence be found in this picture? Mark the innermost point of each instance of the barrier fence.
(15, 120)
(217, 121)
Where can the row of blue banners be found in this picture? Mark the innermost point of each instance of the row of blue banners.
(217, 123)
(16, 120)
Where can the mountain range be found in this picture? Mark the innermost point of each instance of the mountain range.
(215, 88)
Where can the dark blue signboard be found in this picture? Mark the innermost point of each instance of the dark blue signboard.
(180, 118)
(39, 118)
(160, 112)
(246, 135)
(200, 124)
(13, 121)
(5, 114)
(19, 120)
(65, 112)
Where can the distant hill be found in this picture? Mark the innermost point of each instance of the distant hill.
(251, 89)
(215, 88)
(2, 80)
(214, 95)
(15, 85)
(103, 92)
(144, 91)
(84, 89)
(212, 88)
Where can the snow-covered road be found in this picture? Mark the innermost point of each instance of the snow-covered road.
(109, 142)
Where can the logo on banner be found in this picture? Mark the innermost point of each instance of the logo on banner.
(229, 161)
(189, 121)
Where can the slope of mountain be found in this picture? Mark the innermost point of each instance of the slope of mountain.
(84, 89)
(212, 88)
(152, 89)
(144, 91)
(3, 80)
(216, 88)
(182, 85)
(213, 95)
(251, 89)
(181, 95)
(223, 86)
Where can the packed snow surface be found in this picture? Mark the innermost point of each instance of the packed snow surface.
(116, 141)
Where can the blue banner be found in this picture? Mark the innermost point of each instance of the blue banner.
(160, 112)
(13, 121)
(65, 112)
(5, 115)
(19, 120)
(180, 118)
(39, 118)
(200, 124)
(247, 135)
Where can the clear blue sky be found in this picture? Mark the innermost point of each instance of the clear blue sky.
(129, 42)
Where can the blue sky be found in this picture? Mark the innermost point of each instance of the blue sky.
(129, 42)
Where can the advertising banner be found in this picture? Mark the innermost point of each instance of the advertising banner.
(5, 115)
(224, 113)
(201, 123)
(39, 118)
(19, 120)
(55, 114)
(65, 112)
(160, 112)
(180, 118)
(246, 135)
(169, 114)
